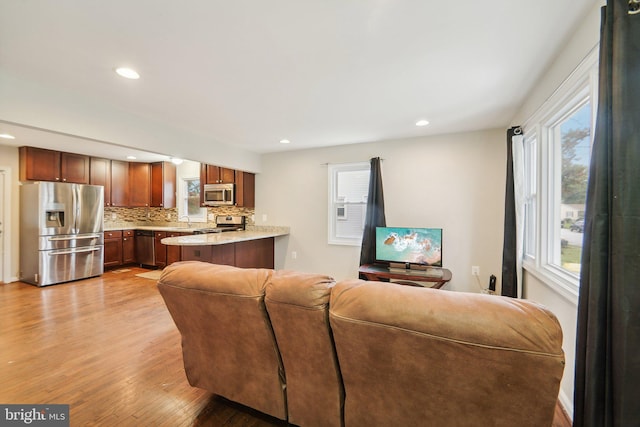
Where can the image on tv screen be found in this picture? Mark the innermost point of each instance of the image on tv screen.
(409, 245)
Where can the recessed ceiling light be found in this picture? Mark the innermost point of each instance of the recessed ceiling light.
(175, 160)
(422, 122)
(131, 157)
(284, 141)
(7, 136)
(128, 73)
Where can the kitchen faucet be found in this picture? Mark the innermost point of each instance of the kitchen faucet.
(188, 220)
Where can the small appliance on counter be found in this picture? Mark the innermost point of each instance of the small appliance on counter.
(61, 232)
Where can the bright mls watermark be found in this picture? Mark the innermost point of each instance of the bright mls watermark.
(34, 415)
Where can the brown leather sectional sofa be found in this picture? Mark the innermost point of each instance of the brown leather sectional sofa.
(302, 348)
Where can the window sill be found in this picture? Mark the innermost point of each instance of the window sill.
(558, 282)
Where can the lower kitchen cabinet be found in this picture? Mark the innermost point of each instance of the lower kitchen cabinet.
(173, 252)
(119, 248)
(160, 249)
(246, 254)
(128, 247)
(196, 253)
(255, 253)
(224, 254)
(112, 248)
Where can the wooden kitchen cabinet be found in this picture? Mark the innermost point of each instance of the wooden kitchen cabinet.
(196, 253)
(100, 174)
(128, 247)
(139, 184)
(119, 183)
(211, 174)
(160, 249)
(255, 253)
(74, 168)
(112, 248)
(245, 189)
(39, 164)
(163, 185)
(223, 254)
(174, 254)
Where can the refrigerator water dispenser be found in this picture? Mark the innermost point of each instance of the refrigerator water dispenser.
(55, 219)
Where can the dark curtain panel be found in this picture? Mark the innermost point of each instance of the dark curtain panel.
(607, 377)
(375, 214)
(509, 251)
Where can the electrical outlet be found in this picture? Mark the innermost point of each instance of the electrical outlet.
(210, 217)
(294, 255)
(475, 270)
(113, 216)
(264, 217)
(168, 216)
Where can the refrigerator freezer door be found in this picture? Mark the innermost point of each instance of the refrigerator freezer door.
(70, 241)
(63, 265)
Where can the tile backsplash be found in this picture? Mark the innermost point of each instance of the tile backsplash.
(140, 216)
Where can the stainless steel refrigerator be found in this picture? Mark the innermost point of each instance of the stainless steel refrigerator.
(61, 232)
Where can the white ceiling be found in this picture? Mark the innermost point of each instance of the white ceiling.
(223, 79)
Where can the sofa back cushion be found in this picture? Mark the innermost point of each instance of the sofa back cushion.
(228, 344)
(298, 307)
(419, 356)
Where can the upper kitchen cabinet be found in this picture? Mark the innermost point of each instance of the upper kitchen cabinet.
(100, 174)
(119, 183)
(139, 184)
(163, 185)
(245, 189)
(39, 164)
(218, 175)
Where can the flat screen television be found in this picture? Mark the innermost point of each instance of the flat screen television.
(406, 245)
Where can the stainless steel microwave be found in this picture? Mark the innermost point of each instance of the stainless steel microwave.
(219, 194)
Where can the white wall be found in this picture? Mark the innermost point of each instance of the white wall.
(451, 181)
(9, 159)
(576, 49)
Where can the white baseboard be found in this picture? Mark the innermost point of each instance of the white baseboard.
(567, 404)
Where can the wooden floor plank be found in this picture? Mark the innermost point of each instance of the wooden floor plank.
(108, 347)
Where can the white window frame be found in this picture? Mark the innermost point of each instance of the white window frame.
(538, 255)
(183, 210)
(335, 203)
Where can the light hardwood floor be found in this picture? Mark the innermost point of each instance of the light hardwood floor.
(107, 347)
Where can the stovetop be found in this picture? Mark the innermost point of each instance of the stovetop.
(225, 223)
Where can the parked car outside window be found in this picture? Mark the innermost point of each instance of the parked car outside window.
(578, 226)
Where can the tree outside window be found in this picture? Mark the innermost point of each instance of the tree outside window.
(575, 137)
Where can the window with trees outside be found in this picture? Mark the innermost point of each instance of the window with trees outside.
(557, 150)
(189, 206)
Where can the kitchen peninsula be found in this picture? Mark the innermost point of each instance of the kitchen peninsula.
(250, 248)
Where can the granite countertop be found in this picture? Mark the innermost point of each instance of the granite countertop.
(254, 233)
(155, 227)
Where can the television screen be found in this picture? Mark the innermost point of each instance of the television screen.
(409, 245)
